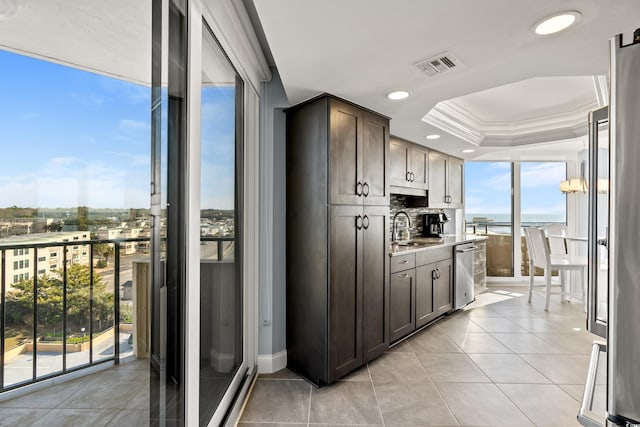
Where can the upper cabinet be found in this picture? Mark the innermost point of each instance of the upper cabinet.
(446, 180)
(358, 155)
(409, 167)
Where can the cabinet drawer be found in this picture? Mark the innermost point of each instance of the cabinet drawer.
(402, 262)
(433, 255)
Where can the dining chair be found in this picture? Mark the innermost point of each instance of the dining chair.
(557, 245)
(540, 256)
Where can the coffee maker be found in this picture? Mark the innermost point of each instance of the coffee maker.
(433, 224)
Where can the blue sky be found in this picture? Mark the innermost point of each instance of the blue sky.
(71, 137)
(488, 188)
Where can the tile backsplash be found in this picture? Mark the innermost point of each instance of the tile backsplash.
(398, 202)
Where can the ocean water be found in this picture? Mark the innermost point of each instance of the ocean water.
(501, 223)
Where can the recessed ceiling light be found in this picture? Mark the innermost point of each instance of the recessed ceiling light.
(468, 150)
(556, 22)
(397, 95)
(433, 136)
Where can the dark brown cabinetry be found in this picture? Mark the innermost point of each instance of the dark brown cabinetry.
(409, 165)
(446, 180)
(422, 292)
(443, 286)
(337, 239)
(402, 295)
(359, 155)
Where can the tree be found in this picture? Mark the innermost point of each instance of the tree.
(104, 251)
(19, 300)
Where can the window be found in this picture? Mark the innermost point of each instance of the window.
(15, 265)
(75, 237)
(41, 272)
(15, 278)
(488, 211)
(42, 258)
(26, 263)
(26, 276)
(15, 252)
(541, 202)
(53, 254)
(491, 209)
(53, 266)
(21, 264)
(26, 251)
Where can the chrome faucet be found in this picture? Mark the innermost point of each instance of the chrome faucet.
(395, 226)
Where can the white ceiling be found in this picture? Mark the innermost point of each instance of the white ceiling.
(107, 37)
(362, 49)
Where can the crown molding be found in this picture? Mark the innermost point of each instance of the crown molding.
(601, 87)
(450, 117)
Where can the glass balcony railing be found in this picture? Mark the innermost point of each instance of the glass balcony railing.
(68, 305)
(500, 247)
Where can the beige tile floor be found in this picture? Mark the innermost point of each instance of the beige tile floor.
(117, 396)
(499, 362)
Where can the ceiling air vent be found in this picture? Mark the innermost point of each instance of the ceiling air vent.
(439, 64)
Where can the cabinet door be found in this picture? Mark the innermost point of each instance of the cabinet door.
(399, 152)
(438, 180)
(375, 159)
(402, 319)
(455, 184)
(425, 310)
(375, 273)
(419, 167)
(345, 290)
(443, 287)
(345, 152)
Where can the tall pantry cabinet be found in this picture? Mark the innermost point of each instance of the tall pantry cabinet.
(337, 237)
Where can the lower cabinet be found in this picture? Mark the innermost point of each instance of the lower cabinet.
(425, 308)
(420, 294)
(402, 315)
(358, 295)
(443, 287)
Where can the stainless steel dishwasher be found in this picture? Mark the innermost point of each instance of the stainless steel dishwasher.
(463, 292)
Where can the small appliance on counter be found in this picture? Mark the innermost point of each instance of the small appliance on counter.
(433, 224)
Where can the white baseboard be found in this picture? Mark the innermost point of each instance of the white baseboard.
(270, 363)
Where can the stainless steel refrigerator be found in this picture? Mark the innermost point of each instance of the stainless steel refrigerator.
(614, 236)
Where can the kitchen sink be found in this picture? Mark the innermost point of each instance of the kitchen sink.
(419, 242)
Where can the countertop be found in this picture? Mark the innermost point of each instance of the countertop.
(426, 243)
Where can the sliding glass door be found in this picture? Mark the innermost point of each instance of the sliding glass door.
(221, 207)
(198, 325)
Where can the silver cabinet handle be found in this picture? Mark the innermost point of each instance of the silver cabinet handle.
(404, 261)
(365, 225)
(365, 193)
(359, 222)
(465, 250)
(359, 188)
(404, 275)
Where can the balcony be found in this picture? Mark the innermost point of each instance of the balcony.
(66, 313)
(500, 247)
